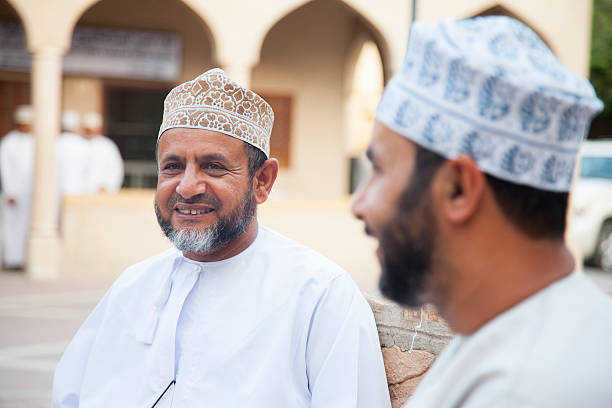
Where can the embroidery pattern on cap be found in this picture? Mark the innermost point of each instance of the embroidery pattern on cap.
(490, 88)
(214, 102)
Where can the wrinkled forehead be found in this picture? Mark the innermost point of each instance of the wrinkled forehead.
(188, 142)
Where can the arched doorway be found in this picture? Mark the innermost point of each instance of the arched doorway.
(364, 85)
(14, 66)
(499, 10)
(303, 73)
(169, 44)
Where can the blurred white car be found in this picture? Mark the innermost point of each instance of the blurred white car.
(591, 203)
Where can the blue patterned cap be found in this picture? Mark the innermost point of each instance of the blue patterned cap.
(490, 88)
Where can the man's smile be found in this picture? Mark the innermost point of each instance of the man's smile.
(191, 211)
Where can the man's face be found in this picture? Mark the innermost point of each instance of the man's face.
(204, 198)
(24, 127)
(90, 132)
(396, 209)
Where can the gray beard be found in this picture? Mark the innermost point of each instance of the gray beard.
(188, 240)
(217, 235)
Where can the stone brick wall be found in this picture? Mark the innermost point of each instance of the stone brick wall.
(396, 328)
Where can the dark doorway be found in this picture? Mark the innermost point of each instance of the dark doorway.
(134, 116)
(12, 94)
(280, 141)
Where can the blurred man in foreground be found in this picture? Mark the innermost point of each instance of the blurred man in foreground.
(236, 315)
(473, 154)
(106, 165)
(16, 171)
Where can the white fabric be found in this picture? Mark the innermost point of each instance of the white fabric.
(70, 121)
(490, 88)
(106, 167)
(275, 326)
(92, 120)
(16, 170)
(73, 157)
(24, 115)
(552, 350)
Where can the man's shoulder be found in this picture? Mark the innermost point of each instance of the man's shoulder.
(12, 136)
(299, 259)
(555, 345)
(103, 142)
(150, 267)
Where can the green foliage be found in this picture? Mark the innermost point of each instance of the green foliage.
(601, 54)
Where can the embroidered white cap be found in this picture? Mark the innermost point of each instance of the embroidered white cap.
(71, 121)
(489, 87)
(212, 101)
(92, 120)
(24, 115)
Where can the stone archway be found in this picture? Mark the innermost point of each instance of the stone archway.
(499, 10)
(303, 69)
(172, 16)
(290, 8)
(14, 69)
(131, 102)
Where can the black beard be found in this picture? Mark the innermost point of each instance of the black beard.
(225, 230)
(407, 243)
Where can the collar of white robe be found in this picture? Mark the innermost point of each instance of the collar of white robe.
(147, 327)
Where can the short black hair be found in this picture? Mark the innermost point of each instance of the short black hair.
(256, 158)
(537, 213)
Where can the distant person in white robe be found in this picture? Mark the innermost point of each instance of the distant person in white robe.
(106, 165)
(235, 315)
(73, 155)
(16, 171)
(473, 153)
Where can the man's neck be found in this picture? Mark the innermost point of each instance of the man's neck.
(479, 291)
(228, 250)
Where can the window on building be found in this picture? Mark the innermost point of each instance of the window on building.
(280, 144)
(12, 94)
(133, 119)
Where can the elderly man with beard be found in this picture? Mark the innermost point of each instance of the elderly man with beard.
(473, 155)
(235, 315)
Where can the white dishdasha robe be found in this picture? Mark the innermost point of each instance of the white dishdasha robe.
(17, 171)
(553, 349)
(73, 155)
(106, 167)
(277, 325)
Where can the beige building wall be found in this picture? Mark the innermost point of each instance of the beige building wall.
(390, 20)
(82, 94)
(299, 48)
(159, 15)
(364, 87)
(304, 56)
(565, 25)
(86, 94)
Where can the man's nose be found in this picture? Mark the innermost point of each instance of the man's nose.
(192, 183)
(358, 201)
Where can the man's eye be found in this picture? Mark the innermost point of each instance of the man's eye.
(214, 167)
(172, 166)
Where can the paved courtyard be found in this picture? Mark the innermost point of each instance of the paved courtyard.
(38, 319)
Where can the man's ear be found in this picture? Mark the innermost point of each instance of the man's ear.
(264, 180)
(462, 186)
